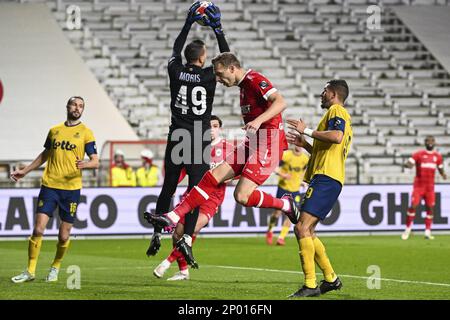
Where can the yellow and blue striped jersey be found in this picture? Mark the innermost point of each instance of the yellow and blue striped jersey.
(65, 145)
(294, 165)
(329, 158)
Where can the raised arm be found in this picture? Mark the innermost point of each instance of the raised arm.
(293, 137)
(181, 39)
(330, 136)
(214, 16)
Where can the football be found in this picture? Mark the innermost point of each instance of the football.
(201, 11)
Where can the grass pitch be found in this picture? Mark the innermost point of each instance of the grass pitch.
(235, 268)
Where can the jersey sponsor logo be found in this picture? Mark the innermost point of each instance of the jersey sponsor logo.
(263, 84)
(428, 165)
(64, 145)
(184, 76)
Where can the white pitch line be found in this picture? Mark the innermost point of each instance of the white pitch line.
(275, 270)
(340, 275)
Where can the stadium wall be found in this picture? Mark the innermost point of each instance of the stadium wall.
(39, 71)
(118, 211)
(431, 25)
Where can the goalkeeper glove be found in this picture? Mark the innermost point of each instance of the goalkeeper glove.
(213, 14)
(192, 15)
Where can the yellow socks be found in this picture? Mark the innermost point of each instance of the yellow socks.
(284, 232)
(306, 246)
(272, 223)
(34, 247)
(61, 248)
(323, 261)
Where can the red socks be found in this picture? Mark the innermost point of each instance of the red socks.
(177, 255)
(261, 199)
(410, 217)
(412, 214)
(428, 220)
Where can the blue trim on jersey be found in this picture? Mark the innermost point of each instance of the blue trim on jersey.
(90, 148)
(321, 196)
(336, 124)
(65, 200)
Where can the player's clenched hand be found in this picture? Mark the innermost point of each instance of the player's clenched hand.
(81, 164)
(298, 125)
(213, 14)
(252, 126)
(293, 137)
(192, 15)
(17, 174)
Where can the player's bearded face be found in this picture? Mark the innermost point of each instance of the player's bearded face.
(326, 98)
(75, 110)
(429, 144)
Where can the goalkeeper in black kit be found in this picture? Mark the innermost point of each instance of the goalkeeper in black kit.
(192, 89)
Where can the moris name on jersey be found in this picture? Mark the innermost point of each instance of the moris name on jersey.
(64, 145)
(184, 76)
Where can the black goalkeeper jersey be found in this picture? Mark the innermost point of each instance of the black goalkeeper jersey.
(192, 90)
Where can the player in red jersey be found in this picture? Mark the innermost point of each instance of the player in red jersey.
(219, 148)
(426, 162)
(256, 158)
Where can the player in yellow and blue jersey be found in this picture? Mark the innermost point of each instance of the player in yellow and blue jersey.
(325, 175)
(291, 171)
(64, 151)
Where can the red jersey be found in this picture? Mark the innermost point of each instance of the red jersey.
(255, 91)
(218, 151)
(426, 164)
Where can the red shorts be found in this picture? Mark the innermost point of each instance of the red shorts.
(210, 207)
(257, 161)
(425, 192)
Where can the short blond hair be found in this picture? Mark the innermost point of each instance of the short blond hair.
(226, 59)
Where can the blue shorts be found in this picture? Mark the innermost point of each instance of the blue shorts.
(66, 200)
(321, 196)
(296, 195)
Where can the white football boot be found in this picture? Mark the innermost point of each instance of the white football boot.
(180, 275)
(23, 277)
(161, 269)
(52, 275)
(428, 235)
(405, 235)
